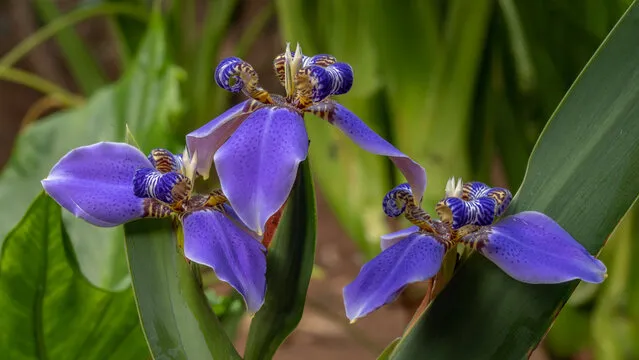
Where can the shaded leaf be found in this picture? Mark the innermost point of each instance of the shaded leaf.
(584, 173)
(289, 267)
(175, 314)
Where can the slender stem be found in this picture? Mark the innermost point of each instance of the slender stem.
(65, 21)
(422, 307)
(254, 29)
(40, 84)
(40, 107)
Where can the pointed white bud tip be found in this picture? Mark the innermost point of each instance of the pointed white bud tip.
(297, 59)
(287, 54)
(189, 164)
(454, 188)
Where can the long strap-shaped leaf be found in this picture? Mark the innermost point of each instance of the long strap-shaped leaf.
(584, 173)
(289, 267)
(176, 318)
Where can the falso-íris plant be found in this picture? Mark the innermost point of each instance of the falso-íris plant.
(528, 246)
(109, 184)
(258, 144)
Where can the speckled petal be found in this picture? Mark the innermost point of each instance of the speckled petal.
(95, 183)
(368, 140)
(206, 140)
(531, 247)
(417, 257)
(258, 164)
(393, 238)
(211, 239)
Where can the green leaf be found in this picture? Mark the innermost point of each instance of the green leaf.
(147, 99)
(81, 63)
(584, 173)
(176, 317)
(386, 354)
(50, 311)
(289, 267)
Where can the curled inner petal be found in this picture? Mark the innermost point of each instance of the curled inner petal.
(474, 190)
(459, 212)
(394, 203)
(165, 161)
(341, 77)
(234, 74)
(502, 199)
(313, 84)
(169, 188)
(322, 60)
(400, 200)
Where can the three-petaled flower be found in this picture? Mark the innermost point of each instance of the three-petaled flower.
(258, 144)
(528, 246)
(108, 184)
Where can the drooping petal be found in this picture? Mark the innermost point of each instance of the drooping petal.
(211, 239)
(95, 183)
(368, 140)
(393, 238)
(417, 257)
(206, 140)
(258, 164)
(531, 247)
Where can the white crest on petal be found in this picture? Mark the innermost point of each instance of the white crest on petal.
(190, 164)
(291, 65)
(454, 189)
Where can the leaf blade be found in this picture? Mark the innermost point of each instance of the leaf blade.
(177, 320)
(289, 268)
(591, 135)
(46, 299)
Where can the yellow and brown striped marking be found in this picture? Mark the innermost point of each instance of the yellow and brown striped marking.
(155, 209)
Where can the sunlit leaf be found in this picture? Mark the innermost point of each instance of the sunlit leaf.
(50, 311)
(289, 267)
(147, 99)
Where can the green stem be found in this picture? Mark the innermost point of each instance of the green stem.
(40, 84)
(65, 21)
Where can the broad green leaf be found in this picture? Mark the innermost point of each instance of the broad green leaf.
(146, 98)
(176, 317)
(288, 271)
(584, 173)
(50, 311)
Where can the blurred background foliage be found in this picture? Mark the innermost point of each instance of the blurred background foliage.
(463, 87)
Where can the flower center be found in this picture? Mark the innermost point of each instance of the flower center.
(464, 209)
(308, 81)
(167, 187)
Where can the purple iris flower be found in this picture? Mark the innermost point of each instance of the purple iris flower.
(258, 144)
(108, 184)
(528, 246)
